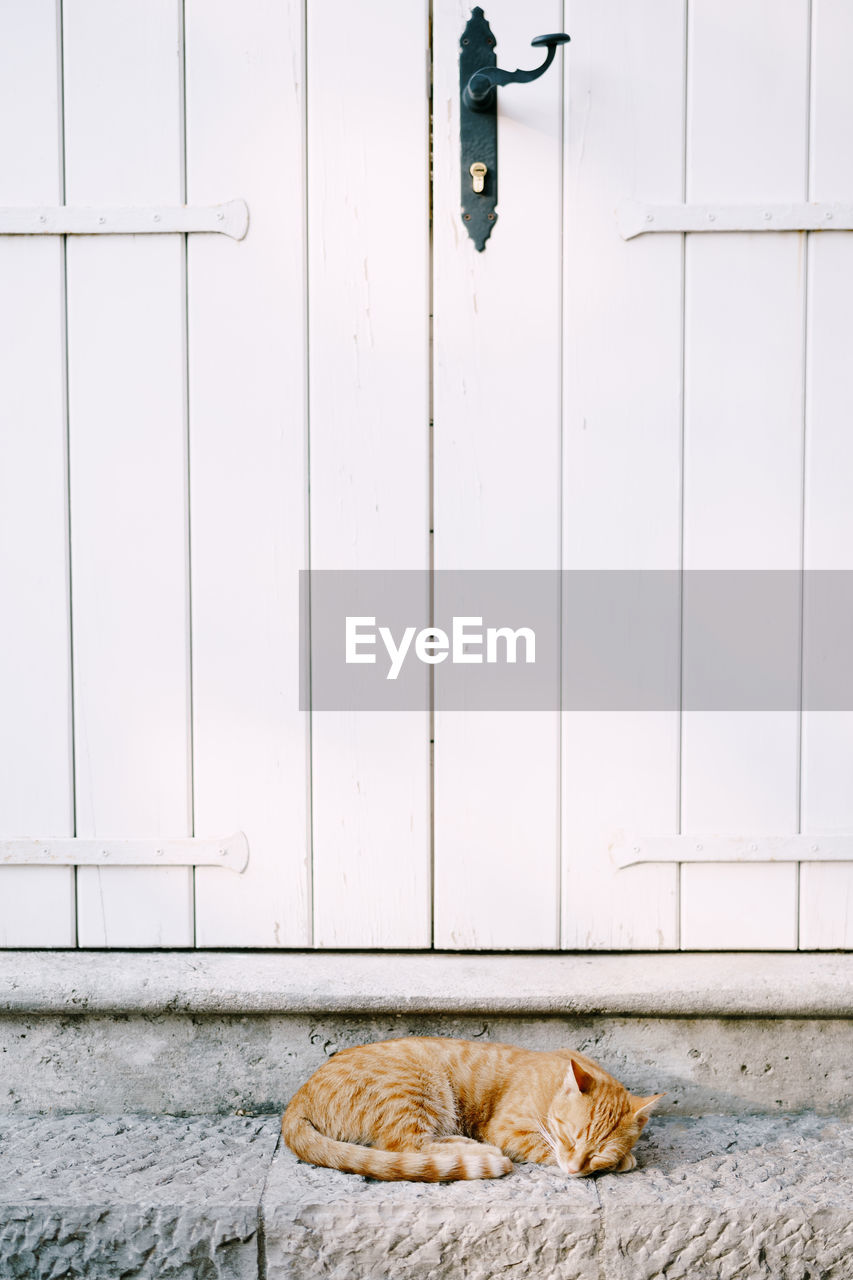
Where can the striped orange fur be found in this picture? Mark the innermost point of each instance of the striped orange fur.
(427, 1109)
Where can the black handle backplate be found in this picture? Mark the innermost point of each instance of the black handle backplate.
(478, 131)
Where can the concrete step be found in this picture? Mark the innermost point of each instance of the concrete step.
(97, 1198)
(90, 1197)
(208, 1032)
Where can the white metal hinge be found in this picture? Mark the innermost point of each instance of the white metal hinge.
(635, 219)
(230, 851)
(626, 849)
(230, 219)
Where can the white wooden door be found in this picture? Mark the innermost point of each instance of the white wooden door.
(154, 474)
(704, 398)
(190, 418)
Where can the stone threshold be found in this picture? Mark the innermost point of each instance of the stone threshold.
(93, 1197)
(680, 985)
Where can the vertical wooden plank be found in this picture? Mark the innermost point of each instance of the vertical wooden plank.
(744, 324)
(826, 889)
(123, 145)
(245, 116)
(368, 271)
(826, 901)
(497, 479)
(732, 914)
(36, 771)
(622, 441)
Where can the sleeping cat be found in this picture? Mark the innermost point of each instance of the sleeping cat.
(429, 1109)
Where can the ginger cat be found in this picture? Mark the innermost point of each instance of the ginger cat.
(428, 1109)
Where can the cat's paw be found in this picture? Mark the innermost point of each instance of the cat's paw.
(497, 1165)
(626, 1164)
(493, 1162)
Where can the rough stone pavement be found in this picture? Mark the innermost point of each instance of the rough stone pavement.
(715, 1198)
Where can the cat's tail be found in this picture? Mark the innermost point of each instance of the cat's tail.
(448, 1162)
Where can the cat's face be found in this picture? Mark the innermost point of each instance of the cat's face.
(594, 1123)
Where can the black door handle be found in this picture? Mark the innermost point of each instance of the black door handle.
(479, 79)
(479, 92)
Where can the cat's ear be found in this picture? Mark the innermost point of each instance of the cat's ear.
(644, 1106)
(577, 1080)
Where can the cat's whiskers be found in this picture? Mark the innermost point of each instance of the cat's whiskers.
(546, 1134)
